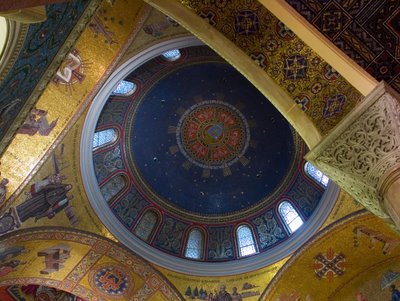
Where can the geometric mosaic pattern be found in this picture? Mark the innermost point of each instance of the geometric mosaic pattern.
(111, 280)
(367, 31)
(40, 48)
(329, 264)
(294, 66)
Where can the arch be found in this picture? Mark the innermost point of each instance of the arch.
(104, 138)
(28, 248)
(147, 225)
(195, 244)
(15, 37)
(245, 241)
(245, 65)
(290, 217)
(138, 245)
(113, 187)
(316, 175)
(124, 88)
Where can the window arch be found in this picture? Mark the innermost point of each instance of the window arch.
(104, 137)
(146, 225)
(245, 241)
(290, 216)
(316, 174)
(125, 88)
(112, 187)
(172, 55)
(195, 244)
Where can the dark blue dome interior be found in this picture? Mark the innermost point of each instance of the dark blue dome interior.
(269, 154)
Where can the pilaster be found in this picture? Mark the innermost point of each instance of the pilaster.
(362, 153)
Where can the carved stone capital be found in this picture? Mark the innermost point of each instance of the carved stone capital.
(363, 150)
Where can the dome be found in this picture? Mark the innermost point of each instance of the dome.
(191, 159)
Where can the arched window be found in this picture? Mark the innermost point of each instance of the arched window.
(195, 245)
(104, 137)
(111, 188)
(125, 88)
(172, 55)
(146, 225)
(245, 241)
(290, 216)
(316, 174)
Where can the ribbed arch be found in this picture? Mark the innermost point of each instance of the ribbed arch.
(195, 244)
(290, 216)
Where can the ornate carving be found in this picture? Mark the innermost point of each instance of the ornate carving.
(107, 162)
(220, 243)
(363, 147)
(305, 195)
(268, 230)
(129, 207)
(170, 236)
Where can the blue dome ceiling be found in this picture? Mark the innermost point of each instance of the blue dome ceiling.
(205, 141)
(201, 147)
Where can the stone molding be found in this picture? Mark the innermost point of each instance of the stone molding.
(16, 33)
(361, 150)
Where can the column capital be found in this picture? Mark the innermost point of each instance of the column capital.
(363, 150)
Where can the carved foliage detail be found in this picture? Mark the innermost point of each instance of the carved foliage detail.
(268, 230)
(170, 236)
(220, 243)
(361, 155)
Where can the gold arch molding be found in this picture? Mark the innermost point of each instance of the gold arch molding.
(327, 100)
(81, 263)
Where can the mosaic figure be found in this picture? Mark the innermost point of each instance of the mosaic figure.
(7, 254)
(45, 293)
(9, 221)
(10, 266)
(54, 258)
(235, 295)
(37, 122)
(395, 293)
(46, 202)
(223, 295)
(52, 179)
(99, 28)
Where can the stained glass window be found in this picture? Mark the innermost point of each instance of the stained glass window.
(194, 246)
(245, 241)
(290, 216)
(316, 174)
(172, 55)
(104, 137)
(146, 225)
(125, 88)
(111, 188)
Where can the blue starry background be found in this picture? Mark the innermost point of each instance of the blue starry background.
(183, 198)
(186, 189)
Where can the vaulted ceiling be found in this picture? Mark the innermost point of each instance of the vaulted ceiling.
(56, 68)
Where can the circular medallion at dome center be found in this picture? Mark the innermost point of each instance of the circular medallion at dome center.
(213, 134)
